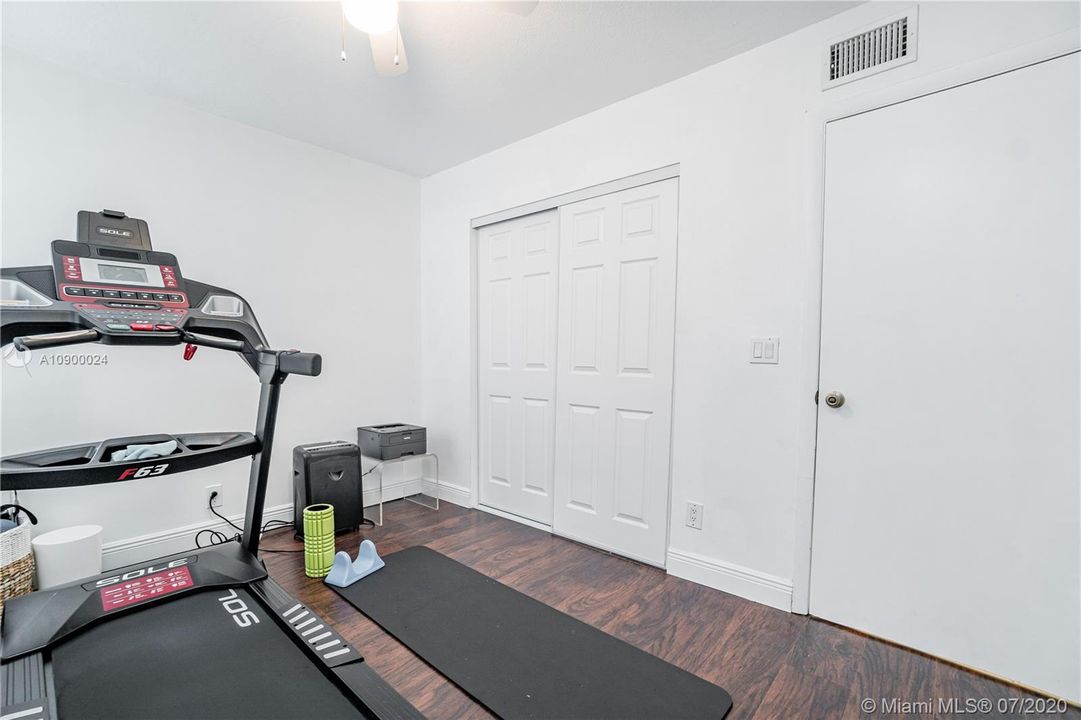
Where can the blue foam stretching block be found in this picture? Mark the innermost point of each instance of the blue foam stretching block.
(345, 571)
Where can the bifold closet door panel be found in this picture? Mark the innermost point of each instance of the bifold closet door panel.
(517, 263)
(617, 283)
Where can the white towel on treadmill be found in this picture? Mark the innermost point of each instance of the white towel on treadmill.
(144, 452)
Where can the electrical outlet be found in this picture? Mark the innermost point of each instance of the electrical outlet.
(694, 515)
(218, 500)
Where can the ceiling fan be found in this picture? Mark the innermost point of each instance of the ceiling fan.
(379, 20)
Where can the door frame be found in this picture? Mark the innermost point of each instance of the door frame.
(646, 177)
(811, 258)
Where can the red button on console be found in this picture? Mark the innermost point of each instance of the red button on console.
(165, 328)
(142, 326)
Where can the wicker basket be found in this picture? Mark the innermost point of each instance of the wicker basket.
(16, 562)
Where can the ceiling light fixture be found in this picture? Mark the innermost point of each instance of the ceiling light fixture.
(379, 20)
(371, 16)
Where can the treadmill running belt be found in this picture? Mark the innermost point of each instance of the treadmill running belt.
(188, 658)
(519, 657)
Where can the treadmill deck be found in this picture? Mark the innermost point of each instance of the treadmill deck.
(211, 654)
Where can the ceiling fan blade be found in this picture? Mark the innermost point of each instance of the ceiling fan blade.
(517, 7)
(388, 53)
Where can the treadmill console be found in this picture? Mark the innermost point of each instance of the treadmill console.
(114, 276)
(121, 288)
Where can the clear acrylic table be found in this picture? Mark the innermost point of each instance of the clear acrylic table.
(377, 466)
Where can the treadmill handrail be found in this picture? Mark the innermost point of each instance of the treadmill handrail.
(284, 362)
(212, 341)
(56, 339)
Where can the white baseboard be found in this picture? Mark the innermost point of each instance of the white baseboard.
(730, 578)
(719, 575)
(727, 577)
(393, 491)
(451, 493)
(168, 542)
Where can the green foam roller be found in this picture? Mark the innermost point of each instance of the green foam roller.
(318, 540)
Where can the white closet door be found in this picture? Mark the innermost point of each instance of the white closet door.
(617, 276)
(946, 492)
(516, 289)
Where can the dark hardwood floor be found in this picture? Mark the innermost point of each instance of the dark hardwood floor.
(774, 664)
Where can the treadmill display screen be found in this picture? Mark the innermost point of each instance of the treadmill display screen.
(122, 273)
(136, 590)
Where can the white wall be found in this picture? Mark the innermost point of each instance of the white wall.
(743, 133)
(323, 246)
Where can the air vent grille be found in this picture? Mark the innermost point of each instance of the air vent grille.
(874, 47)
(879, 48)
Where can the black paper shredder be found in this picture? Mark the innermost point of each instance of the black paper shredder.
(329, 473)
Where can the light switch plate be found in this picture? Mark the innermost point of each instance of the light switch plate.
(765, 350)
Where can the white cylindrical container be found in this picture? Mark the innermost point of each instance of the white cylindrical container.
(66, 555)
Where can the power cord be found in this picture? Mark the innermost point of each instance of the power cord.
(217, 537)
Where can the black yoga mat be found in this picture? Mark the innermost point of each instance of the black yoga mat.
(517, 656)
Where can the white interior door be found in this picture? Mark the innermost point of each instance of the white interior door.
(946, 508)
(516, 308)
(617, 277)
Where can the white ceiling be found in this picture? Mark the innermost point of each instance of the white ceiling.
(480, 77)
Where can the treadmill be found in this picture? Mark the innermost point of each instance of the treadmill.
(202, 634)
